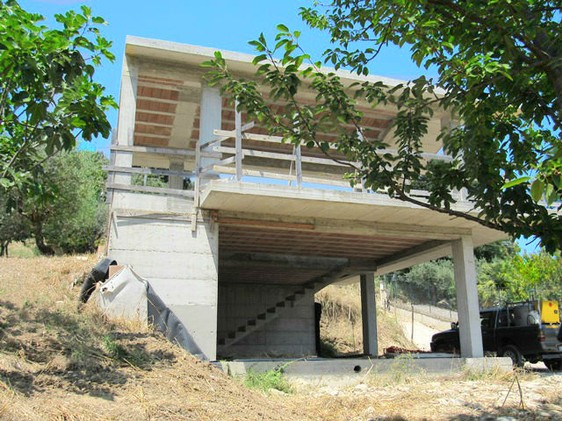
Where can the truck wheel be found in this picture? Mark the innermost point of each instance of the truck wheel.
(513, 353)
(553, 365)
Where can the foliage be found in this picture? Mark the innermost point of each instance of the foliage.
(498, 67)
(502, 275)
(271, 379)
(429, 282)
(13, 227)
(65, 203)
(48, 97)
(540, 274)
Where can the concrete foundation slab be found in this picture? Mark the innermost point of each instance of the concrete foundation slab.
(352, 370)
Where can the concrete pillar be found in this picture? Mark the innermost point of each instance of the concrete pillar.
(126, 120)
(369, 314)
(176, 181)
(467, 298)
(210, 118)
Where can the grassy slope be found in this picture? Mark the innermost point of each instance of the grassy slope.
(340, 324)
(59, 363)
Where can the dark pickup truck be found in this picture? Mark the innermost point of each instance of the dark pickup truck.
(522, 331)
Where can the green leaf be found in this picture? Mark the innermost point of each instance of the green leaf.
(516, 182)
(537, 189)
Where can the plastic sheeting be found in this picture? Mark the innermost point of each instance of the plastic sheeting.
(128, 295)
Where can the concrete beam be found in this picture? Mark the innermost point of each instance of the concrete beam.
(467, 298)
(324, 225)
(369, 314)
(126, 120)
(233, 259)
(430, 250)
(210, 119)
(295, 262)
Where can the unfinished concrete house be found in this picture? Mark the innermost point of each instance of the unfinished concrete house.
(248, 228)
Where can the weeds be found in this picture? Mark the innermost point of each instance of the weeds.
(264, 382)
(340, 323)
(401, 371)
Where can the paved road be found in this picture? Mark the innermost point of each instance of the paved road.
(422, 333)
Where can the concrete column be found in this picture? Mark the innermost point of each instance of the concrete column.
(467, 298)
(210, 118)
(126, 121)
(176, 181)
(369, 314)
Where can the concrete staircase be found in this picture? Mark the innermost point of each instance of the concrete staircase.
(273, 312)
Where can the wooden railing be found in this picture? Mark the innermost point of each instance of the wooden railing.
(237, 146)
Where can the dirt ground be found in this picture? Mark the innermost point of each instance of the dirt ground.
(58, 363)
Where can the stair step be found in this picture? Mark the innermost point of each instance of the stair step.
(272, 312)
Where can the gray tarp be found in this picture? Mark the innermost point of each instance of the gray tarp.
(128, 295)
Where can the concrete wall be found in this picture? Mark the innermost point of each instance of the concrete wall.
(181, 265)
(290, 335)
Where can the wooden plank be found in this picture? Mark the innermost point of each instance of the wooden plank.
(277, 176)
(154, 171)
(148, 149)
(281, 156)
(248, 126)
(298, 164)
(148, 189)
(238, 144)
(162, 151)
(252, 173)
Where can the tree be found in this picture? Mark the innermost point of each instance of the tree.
(48, 96)
(499, 73)
(66, 203)
(13, 226)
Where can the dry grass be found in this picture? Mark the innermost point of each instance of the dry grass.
(60, 364)
(340, 324)
(63, 364)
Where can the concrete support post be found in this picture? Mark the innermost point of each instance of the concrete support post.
(369, 314)
(176, 181)
(210, 119)
(127, 113)
(467, 298)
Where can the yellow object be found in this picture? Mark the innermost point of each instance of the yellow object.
(550, 311)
